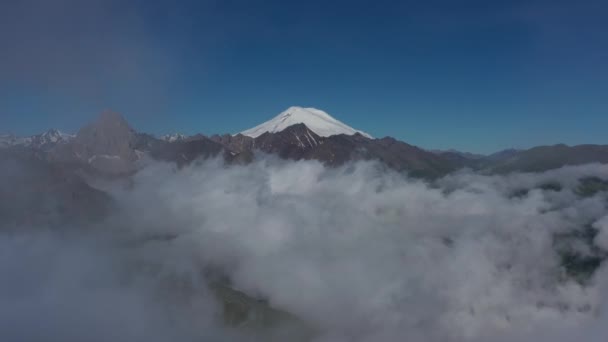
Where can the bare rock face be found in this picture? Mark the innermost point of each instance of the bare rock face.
(295, 142)
(236, 143)
(110, 135)
(185, 151)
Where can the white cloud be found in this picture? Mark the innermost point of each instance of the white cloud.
(364, 254)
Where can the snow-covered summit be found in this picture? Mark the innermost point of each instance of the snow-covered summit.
(53, 136)
(46, 139)
(316, 120)
(173, 137)
(8, 140)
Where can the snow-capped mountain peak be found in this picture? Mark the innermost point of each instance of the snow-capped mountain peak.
(173, 137)
(54, 136)
(8, 140)
(316, 120)
(43, 140)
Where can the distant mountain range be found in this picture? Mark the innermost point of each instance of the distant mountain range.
(45, 140)
(110, 146)
(51, 181)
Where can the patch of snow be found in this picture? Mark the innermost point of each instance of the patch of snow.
(173, 137)
(47, 138)
(300, 143)
(102, 156)
(316, 120)
(7, 140)
(312, 138)
(140, 154)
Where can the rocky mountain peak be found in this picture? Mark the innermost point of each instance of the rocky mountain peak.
(107, 144)
(111, 118)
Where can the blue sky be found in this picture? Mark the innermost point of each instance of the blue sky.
(472, 75)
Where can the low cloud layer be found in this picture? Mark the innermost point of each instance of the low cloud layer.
(356, 253)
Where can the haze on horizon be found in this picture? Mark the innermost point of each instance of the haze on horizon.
(476, 76)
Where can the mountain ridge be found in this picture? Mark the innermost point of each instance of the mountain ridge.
(41, 141)
(109, 145)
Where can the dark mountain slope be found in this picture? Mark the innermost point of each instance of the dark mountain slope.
(543, 158)
(37, 193)
(298, 142)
